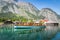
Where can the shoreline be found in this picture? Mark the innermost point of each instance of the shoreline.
(1, 23)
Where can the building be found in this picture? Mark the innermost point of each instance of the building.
(52, 23)
(8, 22)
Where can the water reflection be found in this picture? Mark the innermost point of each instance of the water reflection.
(7, 33)
(57, 36)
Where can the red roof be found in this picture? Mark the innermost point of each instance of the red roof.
(46, 20)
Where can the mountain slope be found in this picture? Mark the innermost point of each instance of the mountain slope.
(8, 6)
(49, 14)
(26, 10)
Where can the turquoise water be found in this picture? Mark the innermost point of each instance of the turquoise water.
(7, 33)
(57, 36)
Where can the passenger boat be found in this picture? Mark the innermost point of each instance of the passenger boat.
(28, 26)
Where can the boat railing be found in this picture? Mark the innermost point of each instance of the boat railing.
(28, 24)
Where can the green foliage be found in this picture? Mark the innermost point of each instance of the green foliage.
(12, 17)
(34, 16)
(41, 17)
(7, 16)
(23, 19)
(30, 20)
(15, 17)
(31, 15)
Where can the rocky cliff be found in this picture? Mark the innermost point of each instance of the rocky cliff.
(49, 14)
(27, 10)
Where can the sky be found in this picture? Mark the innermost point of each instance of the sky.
(53, 4)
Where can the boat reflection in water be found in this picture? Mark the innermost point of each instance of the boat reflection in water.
(25, 32)
(29, 27)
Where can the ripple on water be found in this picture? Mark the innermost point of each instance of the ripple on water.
(57, 36)
(42, 35)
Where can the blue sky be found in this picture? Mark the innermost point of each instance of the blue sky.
(53, 4)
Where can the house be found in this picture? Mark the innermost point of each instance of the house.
(8, 22)
(52, 23)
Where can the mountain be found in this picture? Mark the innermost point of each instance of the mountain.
(7, 6)
(26, 10)
(58, 18)
(49, 14)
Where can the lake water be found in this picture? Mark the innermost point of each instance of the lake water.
(49, 33)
